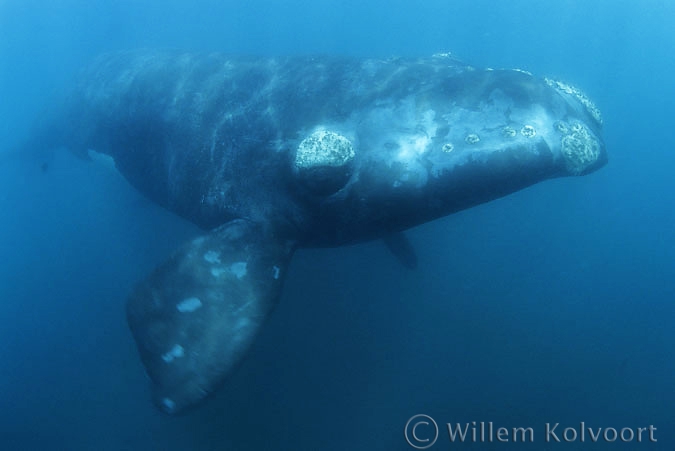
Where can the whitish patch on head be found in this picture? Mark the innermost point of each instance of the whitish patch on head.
(212, 257)
(189, 305)
(411, 147)
(238, 269)
(175, 353)
(276, 271)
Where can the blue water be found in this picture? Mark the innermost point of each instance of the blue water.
(553, 305)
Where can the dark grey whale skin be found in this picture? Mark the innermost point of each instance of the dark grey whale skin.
(219, 140)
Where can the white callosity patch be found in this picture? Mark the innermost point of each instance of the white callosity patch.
(189, 305)
(472, 138)
(508, 132)
(275, 272)
(174, 353)
(496, 125)
(536, 123)
(324, 161)
(528, 131)
(324, 148)
(580, 148)
(212, 257)
(582, 98)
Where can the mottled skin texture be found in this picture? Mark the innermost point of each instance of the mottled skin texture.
(213, 139)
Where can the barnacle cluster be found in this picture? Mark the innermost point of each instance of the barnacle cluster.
(580, 148)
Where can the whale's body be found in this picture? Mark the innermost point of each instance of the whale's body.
(274, 154)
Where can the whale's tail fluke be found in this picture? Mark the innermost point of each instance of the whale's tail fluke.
(195, 317)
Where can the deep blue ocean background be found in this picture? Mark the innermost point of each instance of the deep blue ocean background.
(555, 304)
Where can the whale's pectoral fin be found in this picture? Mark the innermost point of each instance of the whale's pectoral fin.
(197, 314)
(399, 245)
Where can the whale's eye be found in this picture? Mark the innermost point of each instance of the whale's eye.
(323, 161)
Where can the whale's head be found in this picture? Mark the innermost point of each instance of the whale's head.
(456, 144)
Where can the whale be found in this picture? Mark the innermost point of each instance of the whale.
(270, 155)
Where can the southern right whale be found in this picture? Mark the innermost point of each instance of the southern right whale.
(268, 155)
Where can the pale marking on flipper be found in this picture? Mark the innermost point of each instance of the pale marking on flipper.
(238, 269)
(189, 305)
(217, 272)
(175, 353)
(212, 257)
